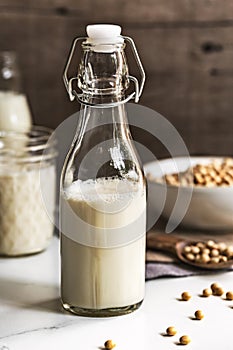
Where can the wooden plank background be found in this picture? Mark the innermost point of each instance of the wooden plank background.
(186, 47)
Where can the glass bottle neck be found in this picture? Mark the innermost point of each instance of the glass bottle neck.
(103, 99)
(93, 117)
(103, 79)
(103, 75)
(10, 80)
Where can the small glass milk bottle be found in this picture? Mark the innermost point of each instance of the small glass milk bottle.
(15, 114)
(103, 188)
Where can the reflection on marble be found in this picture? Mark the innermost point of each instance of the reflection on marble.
(30, 295)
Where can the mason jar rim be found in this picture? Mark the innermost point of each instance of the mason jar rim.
(32, 146)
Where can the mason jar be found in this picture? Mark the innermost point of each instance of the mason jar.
(27, 190)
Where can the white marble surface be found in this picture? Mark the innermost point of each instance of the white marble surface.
(31, 316)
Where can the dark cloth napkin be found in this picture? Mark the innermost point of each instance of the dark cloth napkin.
(162, 264)
(158, 269)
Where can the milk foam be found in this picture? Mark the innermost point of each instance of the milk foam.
(101, 213)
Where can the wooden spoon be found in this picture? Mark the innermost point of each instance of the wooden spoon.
(175, 245)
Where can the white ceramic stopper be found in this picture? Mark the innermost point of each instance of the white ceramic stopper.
(104, 34)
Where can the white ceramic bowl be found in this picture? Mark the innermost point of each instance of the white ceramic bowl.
(209, 208)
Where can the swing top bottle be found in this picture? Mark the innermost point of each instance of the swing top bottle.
(103, 189)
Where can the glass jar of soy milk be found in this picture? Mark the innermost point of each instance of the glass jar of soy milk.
(27, 191)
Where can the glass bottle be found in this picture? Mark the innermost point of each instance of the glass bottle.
(14, 109)
(103, 188)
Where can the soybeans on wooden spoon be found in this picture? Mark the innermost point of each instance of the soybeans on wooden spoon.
(204, 255)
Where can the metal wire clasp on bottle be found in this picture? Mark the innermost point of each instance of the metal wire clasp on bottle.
(79, 96)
